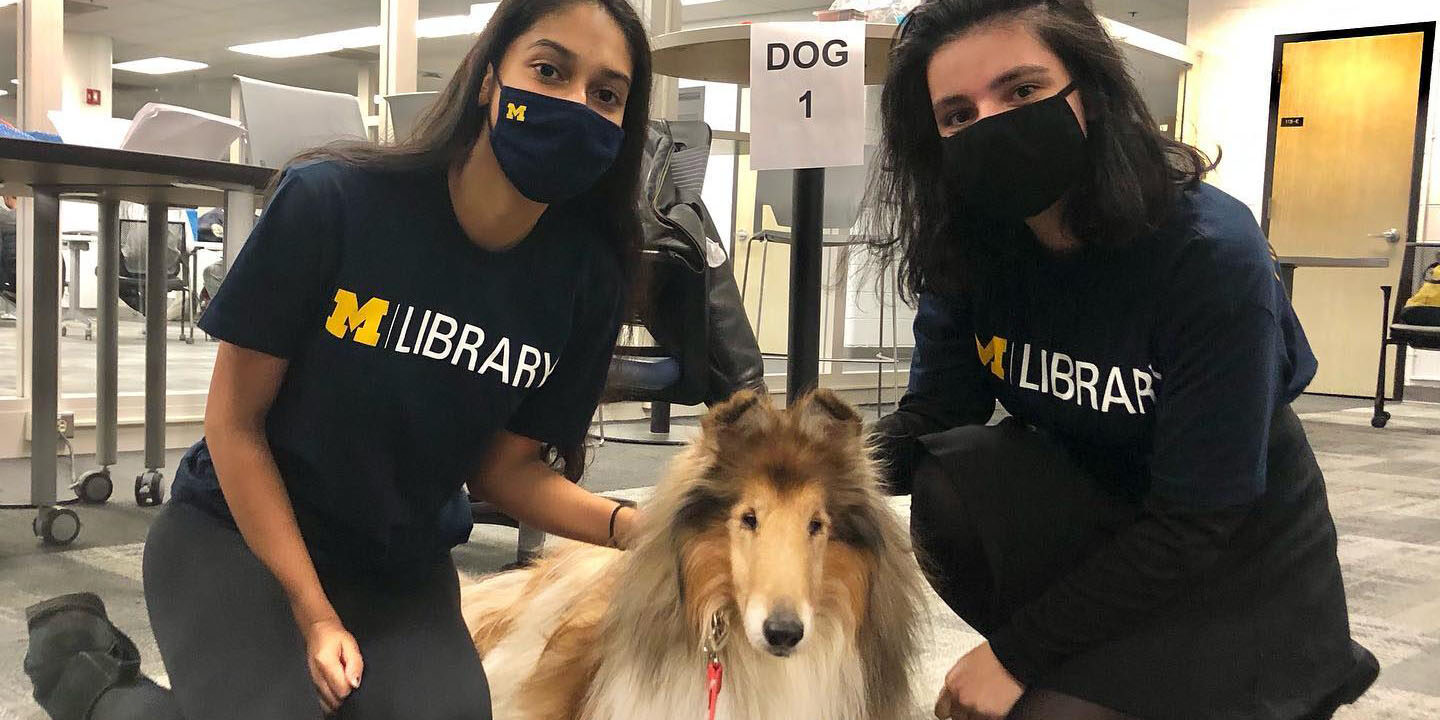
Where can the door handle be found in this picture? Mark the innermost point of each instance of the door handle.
(1391, 236)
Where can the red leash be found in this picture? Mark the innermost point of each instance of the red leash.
(714, 671)
(714, 674)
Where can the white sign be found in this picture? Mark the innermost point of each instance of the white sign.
(807, 95)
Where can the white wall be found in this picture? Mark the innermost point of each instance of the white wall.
(87, 65)
(210, 95)
(1228, 100)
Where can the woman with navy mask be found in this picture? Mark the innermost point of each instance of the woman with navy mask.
(404, 321)
(1146, 535)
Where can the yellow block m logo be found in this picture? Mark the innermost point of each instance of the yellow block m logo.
(363, 321)
(514, 112)
(993, 354)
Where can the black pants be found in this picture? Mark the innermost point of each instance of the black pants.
(1000, 513)
(232, 648)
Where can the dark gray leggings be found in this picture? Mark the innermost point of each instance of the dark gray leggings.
(232, 649)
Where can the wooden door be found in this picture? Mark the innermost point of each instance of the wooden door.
(1342, 174)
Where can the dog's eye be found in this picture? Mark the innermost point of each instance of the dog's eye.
(816, 526)
(749, 520)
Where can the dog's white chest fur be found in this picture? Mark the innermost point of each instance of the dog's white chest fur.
(823, 681)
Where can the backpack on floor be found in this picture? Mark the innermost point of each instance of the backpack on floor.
(1423, 308)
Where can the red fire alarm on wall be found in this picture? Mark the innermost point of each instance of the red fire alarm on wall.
(92, 96)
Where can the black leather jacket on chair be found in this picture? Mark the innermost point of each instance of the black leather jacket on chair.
(675, 218)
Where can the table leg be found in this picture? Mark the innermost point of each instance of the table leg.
(1287, 278)
(660, 418)
(239, 219)
(107, 358)
(44, 347)
(803, 373)
(74, 281)
(147, 486)
(531, 543)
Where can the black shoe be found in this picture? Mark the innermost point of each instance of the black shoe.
(1361, 677)
(76, 654)
(1367, 669)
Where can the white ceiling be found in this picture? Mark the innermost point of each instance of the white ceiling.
(1162, 17)
(203, 29)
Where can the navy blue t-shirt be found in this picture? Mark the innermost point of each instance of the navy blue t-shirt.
(409, 349)
(1159, 365)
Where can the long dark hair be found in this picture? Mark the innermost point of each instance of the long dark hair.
(1134, 174)
(449, 129)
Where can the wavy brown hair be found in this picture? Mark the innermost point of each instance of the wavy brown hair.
(1134, 174)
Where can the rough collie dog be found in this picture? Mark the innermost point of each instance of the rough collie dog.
(767, 551)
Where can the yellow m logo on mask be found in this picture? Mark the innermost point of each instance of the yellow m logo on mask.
(993, 354)
(514, 112)
(363, 321)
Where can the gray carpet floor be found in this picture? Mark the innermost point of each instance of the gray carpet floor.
(1384, 491)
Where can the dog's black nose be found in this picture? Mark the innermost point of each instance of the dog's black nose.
(783, 630)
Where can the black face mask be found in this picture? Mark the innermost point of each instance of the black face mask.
(1016, 164)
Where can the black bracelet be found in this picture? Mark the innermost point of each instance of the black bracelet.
(619, 504)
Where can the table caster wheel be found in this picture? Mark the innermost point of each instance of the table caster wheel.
(94, 487)
(56, 525)
(149, 491)
(89, 335)
(63, 331)
(1379, 420)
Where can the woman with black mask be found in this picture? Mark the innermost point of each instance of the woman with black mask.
(403, 321)
(1146, 535)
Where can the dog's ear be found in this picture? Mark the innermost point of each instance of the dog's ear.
(744, 414)
(823, 414)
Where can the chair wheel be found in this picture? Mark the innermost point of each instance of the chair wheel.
(89, 334)
(56, 525)
(149, 489)
(1379, 420)
(95, 487)
(63, 331)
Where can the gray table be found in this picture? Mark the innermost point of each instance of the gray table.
(1288, 263)
(46, 171)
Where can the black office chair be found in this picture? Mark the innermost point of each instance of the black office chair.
(673, 305)
(205, 281)
(134, 244)
(1401, 335)
(8, 270)
(674, 370)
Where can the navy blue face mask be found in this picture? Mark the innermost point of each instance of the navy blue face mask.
(552, 149)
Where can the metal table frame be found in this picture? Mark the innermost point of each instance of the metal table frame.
(46, 171)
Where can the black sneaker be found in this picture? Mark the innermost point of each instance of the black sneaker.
(76, 654)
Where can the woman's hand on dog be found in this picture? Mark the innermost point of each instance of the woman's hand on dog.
(978, 687)
(334, 660)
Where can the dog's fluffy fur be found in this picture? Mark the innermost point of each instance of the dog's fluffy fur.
(770, 516)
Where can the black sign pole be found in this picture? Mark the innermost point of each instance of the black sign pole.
(803, 372)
